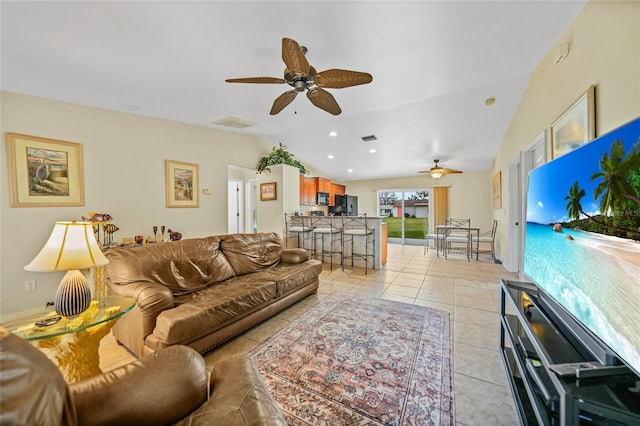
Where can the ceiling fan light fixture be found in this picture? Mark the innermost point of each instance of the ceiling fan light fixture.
(436, 174)
(300, 85)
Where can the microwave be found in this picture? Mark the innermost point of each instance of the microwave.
(323, 199)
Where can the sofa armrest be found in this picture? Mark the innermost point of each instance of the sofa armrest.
(157, 389)
(296, 255)
(151, 300)
(240, 397)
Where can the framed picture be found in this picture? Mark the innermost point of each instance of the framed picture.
(181, 184)
(496, 190)
(576, 126)
(44, 172)
(268, 191)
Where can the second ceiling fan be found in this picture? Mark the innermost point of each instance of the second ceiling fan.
(302, 76)
(436, 171)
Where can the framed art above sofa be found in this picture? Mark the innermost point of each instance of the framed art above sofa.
(181, 184)
(44, 172)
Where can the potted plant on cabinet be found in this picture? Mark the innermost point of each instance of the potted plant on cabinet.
(279, 155)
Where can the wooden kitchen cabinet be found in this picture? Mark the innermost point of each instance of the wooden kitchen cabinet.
(309, 186)
(307, 190)
(323, 184)
(334, 190)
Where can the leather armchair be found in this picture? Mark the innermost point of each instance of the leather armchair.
(169, 386)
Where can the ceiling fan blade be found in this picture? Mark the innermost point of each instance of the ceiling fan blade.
(339, 79)
(324, 100)
(293, 57)
(449, 171)
(282, 101)
(257, 80)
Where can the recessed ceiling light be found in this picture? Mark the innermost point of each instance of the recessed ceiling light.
(350, 171)
(372, 150)
(490, 101)
(330, 156)
(333, 134)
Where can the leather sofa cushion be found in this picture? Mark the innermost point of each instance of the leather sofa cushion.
(183, 266)
(290, 277)
(239, 398)
(249, 253)
(200, 313)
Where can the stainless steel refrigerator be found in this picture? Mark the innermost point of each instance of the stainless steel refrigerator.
(345, 205)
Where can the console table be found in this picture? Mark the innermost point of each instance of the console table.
(553, 376)
(75, 340)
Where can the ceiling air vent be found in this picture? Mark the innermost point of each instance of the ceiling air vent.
(234, 122)
(369, 138)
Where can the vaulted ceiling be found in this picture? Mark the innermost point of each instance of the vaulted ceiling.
(434, 63)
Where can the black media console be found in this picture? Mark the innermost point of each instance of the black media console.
(555, 367)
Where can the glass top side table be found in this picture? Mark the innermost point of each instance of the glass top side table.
(75, 340)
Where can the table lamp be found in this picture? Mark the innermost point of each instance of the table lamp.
(70, 247)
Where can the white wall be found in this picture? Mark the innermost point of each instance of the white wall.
(124, 176)
(604, 51)
(271, 212)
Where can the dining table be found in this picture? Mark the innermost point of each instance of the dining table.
(443, 229)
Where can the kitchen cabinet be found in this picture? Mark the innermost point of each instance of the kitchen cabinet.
(307, 190)
(323, 185)
(334, 190)
(310, 186)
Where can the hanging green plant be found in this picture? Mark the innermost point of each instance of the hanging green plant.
(279, 155)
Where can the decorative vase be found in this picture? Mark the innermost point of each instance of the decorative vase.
(73, 295)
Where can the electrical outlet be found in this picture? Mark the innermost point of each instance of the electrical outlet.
(30, 285)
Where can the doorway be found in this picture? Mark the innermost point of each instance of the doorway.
(533, 156)
(235, 194)
(242, 200)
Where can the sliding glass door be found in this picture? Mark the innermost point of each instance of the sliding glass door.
(406, 212)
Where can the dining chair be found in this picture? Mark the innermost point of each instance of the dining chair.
(488, 237)
(458, 236)
(430, 235)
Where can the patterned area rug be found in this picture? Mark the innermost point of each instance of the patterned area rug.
(357, 360)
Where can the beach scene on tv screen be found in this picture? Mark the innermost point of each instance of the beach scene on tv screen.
(582, 238)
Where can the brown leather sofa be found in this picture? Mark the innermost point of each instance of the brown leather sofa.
(170, 386)
(201, 292)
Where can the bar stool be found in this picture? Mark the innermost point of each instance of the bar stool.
(357, 227)
(323, 229)
(298, 227)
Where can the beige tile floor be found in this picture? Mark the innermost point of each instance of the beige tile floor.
(468, 290)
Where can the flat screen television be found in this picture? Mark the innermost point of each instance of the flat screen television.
(582, 238)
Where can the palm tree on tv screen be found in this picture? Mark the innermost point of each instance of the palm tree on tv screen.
(574, 207)
(615, 172)
(618, 191)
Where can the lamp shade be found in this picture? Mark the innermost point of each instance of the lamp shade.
(71, 245)
(436, 174)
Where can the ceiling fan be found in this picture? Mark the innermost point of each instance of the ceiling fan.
(436, 172)
(302, 76)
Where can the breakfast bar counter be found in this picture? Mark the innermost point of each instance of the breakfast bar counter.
(339, 237)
